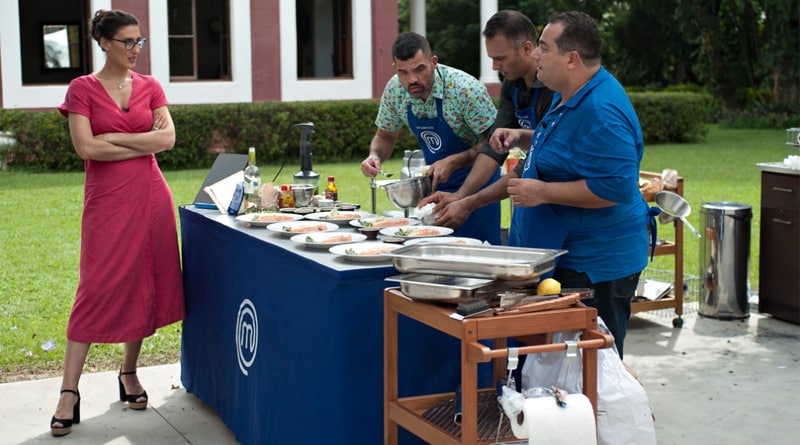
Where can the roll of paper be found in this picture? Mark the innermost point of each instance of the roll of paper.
(546, 423)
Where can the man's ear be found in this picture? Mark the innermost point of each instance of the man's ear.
(574, 58)
(434, 60)
(527, 47)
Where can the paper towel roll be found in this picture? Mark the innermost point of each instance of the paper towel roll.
(546, 423)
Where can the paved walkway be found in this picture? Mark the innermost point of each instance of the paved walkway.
(711, 382)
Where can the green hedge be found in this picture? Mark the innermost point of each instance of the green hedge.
(342, 131)
(672, 117)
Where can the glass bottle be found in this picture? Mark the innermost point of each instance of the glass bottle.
(331, 192)
(252, 183)
(287, 199)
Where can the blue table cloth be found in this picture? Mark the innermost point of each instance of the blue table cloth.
(285, 343)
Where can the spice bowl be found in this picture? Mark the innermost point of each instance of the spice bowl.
(370, 232)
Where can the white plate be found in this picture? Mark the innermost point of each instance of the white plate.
(445, 240)
(292, 228)
(344, 216)
(267, 218)
(433, 231)
(401, 221)
(324, 240)
(358, 251)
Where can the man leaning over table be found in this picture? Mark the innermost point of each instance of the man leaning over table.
(510, 38)
(579, 187)
(450, 113)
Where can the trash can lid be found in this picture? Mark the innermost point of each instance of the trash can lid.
(726, 207)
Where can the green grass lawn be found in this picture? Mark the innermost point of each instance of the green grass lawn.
(40, 239)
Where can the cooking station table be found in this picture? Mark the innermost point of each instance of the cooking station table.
(285, 343)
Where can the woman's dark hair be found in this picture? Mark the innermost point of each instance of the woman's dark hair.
(580, 34)
(106, 23)
(516, 26)
(407, 44)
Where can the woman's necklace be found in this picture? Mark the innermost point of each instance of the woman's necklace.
(120, 85)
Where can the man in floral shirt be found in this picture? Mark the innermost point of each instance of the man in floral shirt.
(449, 112)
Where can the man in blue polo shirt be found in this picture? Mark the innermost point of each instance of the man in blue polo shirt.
(579, 187)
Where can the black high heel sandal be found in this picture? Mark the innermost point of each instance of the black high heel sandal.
(66, 424)
(132, 399)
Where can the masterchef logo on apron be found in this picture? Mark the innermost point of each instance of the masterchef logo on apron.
(432, 140)
(246, 335)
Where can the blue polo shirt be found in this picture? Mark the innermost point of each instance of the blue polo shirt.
(598, 138)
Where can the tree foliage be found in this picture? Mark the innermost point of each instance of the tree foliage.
(746, 53)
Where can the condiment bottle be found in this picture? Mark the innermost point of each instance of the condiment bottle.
(331, 192)
(287, 199)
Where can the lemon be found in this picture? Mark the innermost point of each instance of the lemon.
(548, 286)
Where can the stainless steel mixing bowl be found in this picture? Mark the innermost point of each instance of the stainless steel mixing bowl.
(407, 193)
(303, 194)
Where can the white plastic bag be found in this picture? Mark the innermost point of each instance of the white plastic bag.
(623, 410)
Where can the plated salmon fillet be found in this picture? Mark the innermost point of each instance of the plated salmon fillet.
(391, 222)
(344, 238)
(304, 229)
(424, 232)
(369, 252)
(277, 217)
(343, 216)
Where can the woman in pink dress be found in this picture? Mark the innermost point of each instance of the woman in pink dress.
(130, 274)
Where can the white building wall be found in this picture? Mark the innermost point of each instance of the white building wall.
(239, 89)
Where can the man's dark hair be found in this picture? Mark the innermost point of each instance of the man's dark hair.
(407, 44)
(516, 26)
(580, 34)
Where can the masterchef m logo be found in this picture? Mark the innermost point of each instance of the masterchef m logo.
(246, 335)
(432, 140)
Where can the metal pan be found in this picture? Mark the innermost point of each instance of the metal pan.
(673, 204)
(492, 262)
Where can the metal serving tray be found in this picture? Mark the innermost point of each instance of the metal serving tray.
(492, 262)
(439, 287)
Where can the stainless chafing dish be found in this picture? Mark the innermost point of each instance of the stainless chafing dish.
(488, 262)
(439, 287)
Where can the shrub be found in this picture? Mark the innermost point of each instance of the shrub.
(342, 131)
(672, 117)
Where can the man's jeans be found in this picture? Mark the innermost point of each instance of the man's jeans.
(612, 299)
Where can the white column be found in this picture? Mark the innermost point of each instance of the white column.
(416, 12)
(488, 75)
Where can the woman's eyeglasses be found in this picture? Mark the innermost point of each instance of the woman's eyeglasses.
(130, 43)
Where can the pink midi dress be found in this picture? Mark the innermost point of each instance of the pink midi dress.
(130, 273)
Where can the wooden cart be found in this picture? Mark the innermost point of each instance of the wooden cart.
(674, 248)
(408, 412)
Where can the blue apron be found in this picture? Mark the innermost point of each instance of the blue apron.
(439, 141)
(526, 117)
(539, 226)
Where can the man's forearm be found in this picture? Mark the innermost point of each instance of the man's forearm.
(482, 170)
(491, 194)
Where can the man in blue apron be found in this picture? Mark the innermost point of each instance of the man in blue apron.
(510, 38)
(449, 112)
(579, 187)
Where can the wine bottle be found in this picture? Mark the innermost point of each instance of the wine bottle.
(252, 183)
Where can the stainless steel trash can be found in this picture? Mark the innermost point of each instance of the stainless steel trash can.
(725, 260)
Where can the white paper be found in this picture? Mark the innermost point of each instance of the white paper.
(221, 192)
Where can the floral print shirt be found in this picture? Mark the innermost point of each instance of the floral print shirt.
(467, 106)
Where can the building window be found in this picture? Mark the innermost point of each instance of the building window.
(54, 44)
(199, 27)
(324, 38)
